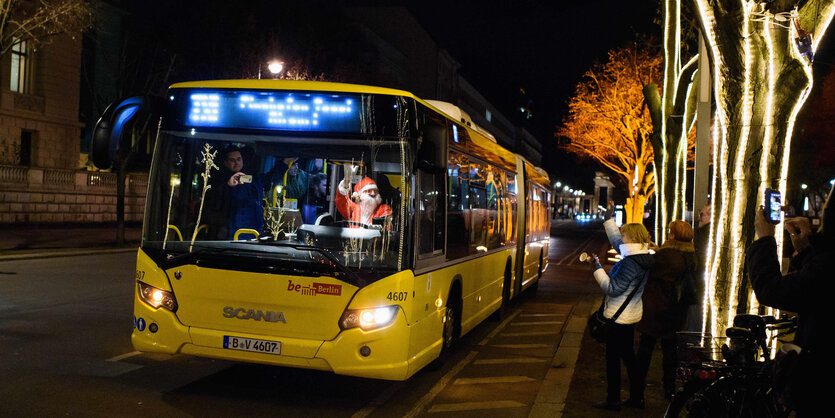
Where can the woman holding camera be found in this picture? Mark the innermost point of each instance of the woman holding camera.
(626, 276)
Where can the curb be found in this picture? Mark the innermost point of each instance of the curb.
(71, 253)
(550, 400)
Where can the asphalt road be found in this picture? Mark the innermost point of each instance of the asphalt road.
(65, 349)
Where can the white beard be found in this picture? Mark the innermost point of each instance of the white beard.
(367, 206)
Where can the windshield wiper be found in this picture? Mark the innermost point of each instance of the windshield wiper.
(187, 257)
(325, 253)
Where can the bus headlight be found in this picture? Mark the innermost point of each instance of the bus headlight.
(367, 319)
(157, 298)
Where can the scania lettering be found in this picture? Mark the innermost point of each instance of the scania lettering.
(353, 229)
(243, 313)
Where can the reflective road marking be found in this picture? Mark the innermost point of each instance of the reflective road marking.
(510, 360)
(379, 400)
(518, 324)
(426, 399)
(124, 356)
(499, 328)
(468, 406)
(494, 379)
(529, 334)
(522, 345)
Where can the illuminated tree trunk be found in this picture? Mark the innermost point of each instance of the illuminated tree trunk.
(761, 80)
(643, 186)
(634, 208)
(672, 118)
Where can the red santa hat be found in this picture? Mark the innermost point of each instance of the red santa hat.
(365, 184)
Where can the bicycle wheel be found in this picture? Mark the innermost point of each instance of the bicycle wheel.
(696, 402)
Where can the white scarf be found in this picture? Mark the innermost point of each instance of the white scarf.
(634, 248)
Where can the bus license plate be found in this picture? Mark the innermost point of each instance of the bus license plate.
(250, 344)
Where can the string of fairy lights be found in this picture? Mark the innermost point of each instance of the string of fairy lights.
(730, 187)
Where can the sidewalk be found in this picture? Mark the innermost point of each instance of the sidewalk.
(18, 243)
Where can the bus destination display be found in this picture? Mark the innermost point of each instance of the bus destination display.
(322, 112)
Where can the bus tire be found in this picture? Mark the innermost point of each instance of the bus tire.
(502, 311)
(535, 285)
(451, 329)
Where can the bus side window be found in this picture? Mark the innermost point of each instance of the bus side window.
(529, 213)
(431, 172)
(458, 207)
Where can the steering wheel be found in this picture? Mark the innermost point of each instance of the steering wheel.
(351, 224)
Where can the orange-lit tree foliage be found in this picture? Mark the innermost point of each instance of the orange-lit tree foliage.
(609, 122)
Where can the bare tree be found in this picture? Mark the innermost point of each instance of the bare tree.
(609, 121)
(141, 65)
(39, 21)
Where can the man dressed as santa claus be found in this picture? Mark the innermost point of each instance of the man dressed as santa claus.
(364, 203)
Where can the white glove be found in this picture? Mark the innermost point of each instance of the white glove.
(350, 172)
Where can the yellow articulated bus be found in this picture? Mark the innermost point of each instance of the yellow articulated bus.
(325, 226)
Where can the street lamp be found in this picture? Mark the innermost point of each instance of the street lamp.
(274, 67)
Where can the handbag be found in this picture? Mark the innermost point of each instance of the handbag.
(599, 325)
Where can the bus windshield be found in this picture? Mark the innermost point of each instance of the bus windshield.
(315, 205)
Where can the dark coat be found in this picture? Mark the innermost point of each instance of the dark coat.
(663, 315)
(229, 209)
(807, 291)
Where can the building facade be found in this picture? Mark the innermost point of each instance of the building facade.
(42, 180)
(44, 114)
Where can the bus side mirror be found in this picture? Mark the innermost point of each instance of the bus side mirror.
(107, 134)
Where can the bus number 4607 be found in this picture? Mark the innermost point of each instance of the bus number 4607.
(397, 296)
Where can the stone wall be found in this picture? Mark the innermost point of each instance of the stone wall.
(46, 196)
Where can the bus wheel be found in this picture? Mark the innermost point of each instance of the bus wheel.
(535, 286)
(449, 334)
(502, 311)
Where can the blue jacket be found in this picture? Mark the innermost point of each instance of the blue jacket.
(624, 276)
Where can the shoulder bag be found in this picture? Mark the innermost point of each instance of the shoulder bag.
(598, 323)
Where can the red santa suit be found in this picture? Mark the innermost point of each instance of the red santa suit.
(353, 211)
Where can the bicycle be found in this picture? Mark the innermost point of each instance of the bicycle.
(731, 376)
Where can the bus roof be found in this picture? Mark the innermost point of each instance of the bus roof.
(301, 85)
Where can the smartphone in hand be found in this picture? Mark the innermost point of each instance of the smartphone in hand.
(773, 206)
(246, 178)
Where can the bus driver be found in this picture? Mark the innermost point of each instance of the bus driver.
(235, 198)
(365, 203)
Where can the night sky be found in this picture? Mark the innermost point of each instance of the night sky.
(543, 47)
